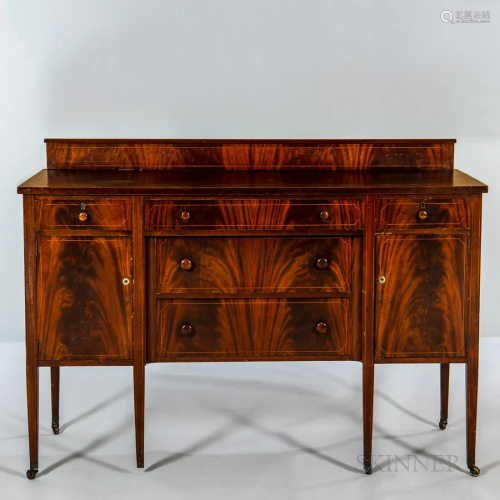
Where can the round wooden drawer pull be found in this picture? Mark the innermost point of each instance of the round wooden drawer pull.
(185, 216)
(422, 215)
(322, 263)
(83, 216)
(324, 215)
(321, 327)
(186, 264)
(187, 329)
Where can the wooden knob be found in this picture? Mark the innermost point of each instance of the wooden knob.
(321, 327)
(322, 263)
(83, 216)
(324, 215)
(422, 215)
(185, 216)
(186, 264)
(186, 329)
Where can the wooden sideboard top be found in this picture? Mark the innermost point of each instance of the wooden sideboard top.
(254, 167)
(217, 182)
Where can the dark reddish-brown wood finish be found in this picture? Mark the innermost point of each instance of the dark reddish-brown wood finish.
(421, 296)
(247, 328)
(32, 374)
(139, 324)
(83, 213)
(472, 369)
(253, 215)
(368, 332)
(235, 250)
(84, 307)
(422, 213)
(256, 154)
(445, 390)
(55, 377)
(277, 183)
(254, 265)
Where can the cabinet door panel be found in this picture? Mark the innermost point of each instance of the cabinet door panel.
(420, 307)
(84, 308)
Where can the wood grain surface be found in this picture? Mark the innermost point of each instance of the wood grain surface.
(254, 265)
(253, 328)
(84, 309)
(403, 213)
(421, 307)
(220, 183)
(249, 154)
(109, 214)
(253, 214)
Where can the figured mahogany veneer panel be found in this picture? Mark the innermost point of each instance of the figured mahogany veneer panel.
(414, 213)
(251, 328)
(253, 215)
(104, 214)
(84, 309)
(421, 306)
(253, 265)
(249, 154)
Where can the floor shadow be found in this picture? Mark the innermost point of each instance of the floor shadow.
(266, 386)
(282, 436)
(11, 472)
(280, 387)
(402, 409)
(493, 465)
(83, 453)
(197, 446)
(244, 384)
(415, 450)
(91, 411)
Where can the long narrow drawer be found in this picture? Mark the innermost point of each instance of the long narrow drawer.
(253, 265)
(420, 213)
(253, 215)
(252, 328)
(77, 214)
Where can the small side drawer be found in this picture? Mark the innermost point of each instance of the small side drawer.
(103, 214)
(253, 215)
(416, 213)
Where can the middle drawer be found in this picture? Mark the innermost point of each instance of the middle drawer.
(253, 265)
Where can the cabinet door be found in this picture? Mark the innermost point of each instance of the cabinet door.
(421, 296)
(83, 303)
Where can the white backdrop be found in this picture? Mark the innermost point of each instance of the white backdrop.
(248, 69)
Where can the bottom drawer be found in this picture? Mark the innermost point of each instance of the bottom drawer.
(253, 327)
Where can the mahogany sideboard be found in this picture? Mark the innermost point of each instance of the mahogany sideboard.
(144, 251)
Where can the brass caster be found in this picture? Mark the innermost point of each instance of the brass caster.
(443, 423)
(368, 469)
(55, 424)
(31, 473)
(474, 470)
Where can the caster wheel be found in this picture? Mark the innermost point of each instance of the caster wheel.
(55, 428)
(474, 470)
(368, 470)
(443, 424)
(31, 473)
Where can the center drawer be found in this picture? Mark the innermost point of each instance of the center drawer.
(253, 215)
(238, 328)
(253, 265)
